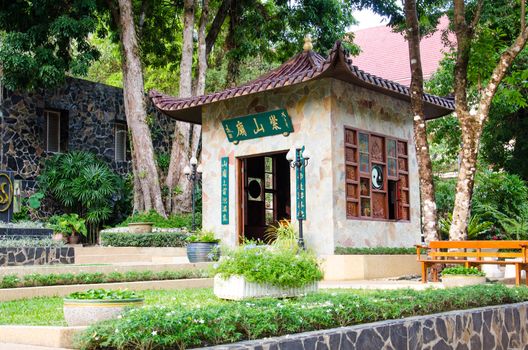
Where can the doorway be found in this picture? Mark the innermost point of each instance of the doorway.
(264, 184)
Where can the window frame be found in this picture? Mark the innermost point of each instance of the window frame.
(356, 201)
(58, 114)
(117, 131)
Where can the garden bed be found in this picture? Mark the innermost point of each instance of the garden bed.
(121, 237)
(178, 326)
(54, 279)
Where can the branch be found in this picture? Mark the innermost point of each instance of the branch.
(478, 13)
(216, 26)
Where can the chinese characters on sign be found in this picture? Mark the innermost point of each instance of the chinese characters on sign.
(301, 187)
(225, 190)
(258, 125)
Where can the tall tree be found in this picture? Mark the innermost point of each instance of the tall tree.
(427, 194)
(472, 115)
(148, 195)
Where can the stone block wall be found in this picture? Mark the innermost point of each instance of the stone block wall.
(500, 327)
(92, 110)
(36, 256)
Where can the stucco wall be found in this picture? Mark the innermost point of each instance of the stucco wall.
(318, 109)
(360, 108)
(309, 107)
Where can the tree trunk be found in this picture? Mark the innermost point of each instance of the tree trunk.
(233, 65)
(425, 170)
(472, 121)
(179, 191)
(148, 189)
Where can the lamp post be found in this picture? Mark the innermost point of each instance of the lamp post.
(298, 157)
(193, 174)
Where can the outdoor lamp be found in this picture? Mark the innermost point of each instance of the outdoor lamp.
(298, 157)
(193, 174)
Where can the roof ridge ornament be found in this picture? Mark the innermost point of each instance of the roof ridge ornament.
(308, 46)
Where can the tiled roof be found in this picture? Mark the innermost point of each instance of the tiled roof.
(305, 66)
(386, 53)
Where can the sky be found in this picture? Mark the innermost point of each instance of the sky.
(367, 19)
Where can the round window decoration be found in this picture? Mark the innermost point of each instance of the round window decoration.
(254, 189)
(377, 177)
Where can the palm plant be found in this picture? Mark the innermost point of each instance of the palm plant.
(82, 184)
(476, 226)
(283, 234)
(515, 225)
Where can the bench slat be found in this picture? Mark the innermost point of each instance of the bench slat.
(478, 244)
(476, 254)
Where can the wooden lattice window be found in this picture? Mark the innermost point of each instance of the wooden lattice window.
(376, 176)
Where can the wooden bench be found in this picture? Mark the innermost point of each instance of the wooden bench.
(472, 253)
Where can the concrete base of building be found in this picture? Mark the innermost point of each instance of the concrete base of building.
(43, 336)
(366, 267)
(8, 294)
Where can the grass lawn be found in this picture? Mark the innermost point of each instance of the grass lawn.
(48, 311)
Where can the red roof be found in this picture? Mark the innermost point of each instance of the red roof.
(305, 66)
(386, 54)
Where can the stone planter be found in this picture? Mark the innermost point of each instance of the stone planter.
(200, 251)
(79, 312)
(237, 288)
(492, 271)
(140, 227)
(462, 280)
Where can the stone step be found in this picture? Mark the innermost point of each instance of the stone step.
(110, 259)
(104, 268)
(153, 251)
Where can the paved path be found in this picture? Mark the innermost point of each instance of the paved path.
(7, 346)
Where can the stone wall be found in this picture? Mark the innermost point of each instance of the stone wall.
(362, 109)
(36, 256)
(92, 110)
(498, 327)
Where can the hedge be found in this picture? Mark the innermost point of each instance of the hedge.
(57, 279)
(153, 239)
(183, 327)
(375, 251)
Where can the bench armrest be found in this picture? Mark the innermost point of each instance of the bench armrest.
(419, 248)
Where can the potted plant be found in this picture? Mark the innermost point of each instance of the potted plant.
(93, 305)
(460, 276)
(266, 271)
(73, 226)
(202, 246)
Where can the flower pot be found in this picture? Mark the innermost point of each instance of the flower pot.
(74, 239)
(83, 312)
(140, 227)
(237, 288)
(462, 280)
(201, 251)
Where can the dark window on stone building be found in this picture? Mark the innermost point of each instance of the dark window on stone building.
(56, 130)
(120, 142)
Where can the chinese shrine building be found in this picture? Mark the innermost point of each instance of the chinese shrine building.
(362, 178)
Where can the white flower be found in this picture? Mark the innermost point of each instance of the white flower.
(120, 316)
(154, 333)
(201, 321)
(117, 330)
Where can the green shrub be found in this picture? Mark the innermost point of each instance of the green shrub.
(173, 221)
(82, 183)
(153, 239)
(177, 327)
(103, 294)
(374, 251)
(276, 266)
(464, 271)
(203, 237)
(54, 279)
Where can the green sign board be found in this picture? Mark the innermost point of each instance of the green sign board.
(225, 190)
(258, 125)
(300, 177)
